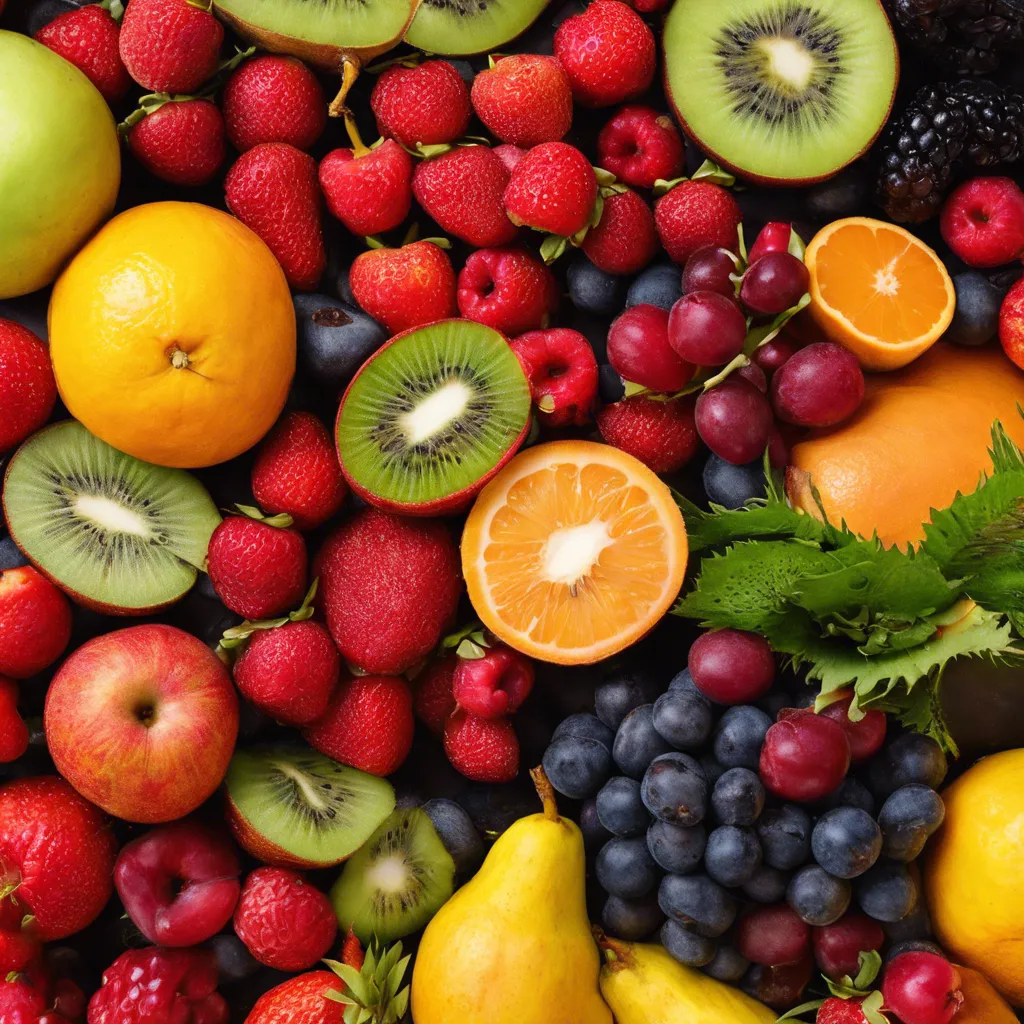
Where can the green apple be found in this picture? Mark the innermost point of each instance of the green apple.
(60, 163)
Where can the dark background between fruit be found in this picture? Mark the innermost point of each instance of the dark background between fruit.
(984, 705)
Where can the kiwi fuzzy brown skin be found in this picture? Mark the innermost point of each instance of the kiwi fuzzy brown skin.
(452, 504)
(761, 179)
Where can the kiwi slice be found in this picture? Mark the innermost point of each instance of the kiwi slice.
(432, 416)
(293, 806)
(459, 27)
(395, 883)
(781, 91)
(118, 534)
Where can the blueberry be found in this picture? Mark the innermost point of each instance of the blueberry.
(976, 320)
(632, 920)
(675, 789)
(908, 758)
(637, 742)
(592, 290)
(738, 797)
(457, 832)
(907, 819)
(740, 736)
(887, 892)
(682, 682)
(913, 927)
(840, 196)
(234, 961)
(577, 767)
(616, 697)
(732, 855)
(684, 719)
(697, 902)
(334, 338)
(11, 557)
(785, 834)
(728, 965)
(625, 868)
(766, 885)
(595, 835)
(850, 792)
(610, 386)
(733, 486)
(817, 897)
(913, 946)
(585, 726)
(846, 842)
(659, 285)
(676, 848)
(620, 809)
(685, 946)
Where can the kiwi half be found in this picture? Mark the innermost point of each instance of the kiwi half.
(397, 881)
(781, 91)
(432, 416)
(460, 27)
(293, 807)
(118, 534)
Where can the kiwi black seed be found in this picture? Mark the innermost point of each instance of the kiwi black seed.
(432, 415)
(305, 808)
(459, 27)
(784, 91)
(118, 534)
(397, 881)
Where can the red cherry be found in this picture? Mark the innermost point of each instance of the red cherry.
(922, 988)
(805, 756)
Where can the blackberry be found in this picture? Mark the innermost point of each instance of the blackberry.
(961, 37)
(945, 127)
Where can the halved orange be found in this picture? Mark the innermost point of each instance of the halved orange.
(878, 290)
(573, 552)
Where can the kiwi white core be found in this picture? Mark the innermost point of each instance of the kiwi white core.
(435, 413)
(572, 552)
(789, 62)
(390, 874)
(110, 515)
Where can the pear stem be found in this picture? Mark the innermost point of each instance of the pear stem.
(546, 792)
(613, 949)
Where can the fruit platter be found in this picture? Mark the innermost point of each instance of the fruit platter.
(511, 511)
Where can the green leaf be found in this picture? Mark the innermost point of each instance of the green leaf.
(353, 979)
(796, 245)
(632, 389)
(871, 1007)
(604, 177)
(710, 171)
(429, 152)
(470, 650)
(1006, 456)
(870, 962)
(758, 336)
(799, 1011)
(742, 244)
(663, 185)
(553, 247)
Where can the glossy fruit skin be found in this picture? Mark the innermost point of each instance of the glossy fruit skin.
(706, 329)
(35, 622)
(433, 700)
(371, 193)
(658, 285)
(182, 143)
(805, 756)
(908, 818)
(697, 902)
(179, 883)
(837, 946)
(426, 104)
(773, 355)
(662, 435)
(733, 486)
(819, 386)
(695, 214)
(865, 736)
(639, 146)
(552, 189)
(846, 841)
(507, 289)
(300, 1000)
(775, 236)
(625, 239)
(730, 666)
(774, 283)
(13, 731)
(976, 320)
(639, 349)
(1011, 324)
(335, 338)
(273, 98)
(818, 898)
(922, 988)
(28, 390)
(561, 368)
(525, 99)
(772, 936)
(735, 421)
(982, 221)
(482, 749)
(88, 38)
(709, 270)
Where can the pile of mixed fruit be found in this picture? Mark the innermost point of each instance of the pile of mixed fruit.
(512, 511)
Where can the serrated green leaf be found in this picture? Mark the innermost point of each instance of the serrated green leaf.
(1005, 455)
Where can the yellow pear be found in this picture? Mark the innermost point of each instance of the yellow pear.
(513, 945)
(644, 985)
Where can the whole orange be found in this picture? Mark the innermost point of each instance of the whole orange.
(172, 335)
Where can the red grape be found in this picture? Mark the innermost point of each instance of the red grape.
(639, 351)
(773, 936)
(773, 237)
(805, 756)
(706, 329)
(774, 283)
(819, 386)
(922, 988)
(866, 736)
(837, 946)
(708, 270)
(730, 666)
(778, 453)
(735, 421)
(771, 355)
(779, 987)
(755, 375)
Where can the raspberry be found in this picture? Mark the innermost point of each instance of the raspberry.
(640, 146)
(562, 370)
(507, 289)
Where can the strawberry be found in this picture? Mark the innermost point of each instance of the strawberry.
(289, 672)
(300, 1000)
(524, 99)
(463, 190)
(640, 146)
(28, 389)
(625, 239)
(170, 45)
(562, 371)
(695, 214)
(509, 155)
(30, 997)
(553, 189)
(285, 922)
(482, 749)
(88, 38)
(368, 724)
(13, 731)
(434, 700)
(297, 471)
(507, 289)
(273, 99)
(405, 287)
(35, 622)
(662, 435)
(840, 1011)
(608, 52)
(257, 569)
(272, 188)
(390, 585)
(368, 190)
(426, 104)
(180, 142)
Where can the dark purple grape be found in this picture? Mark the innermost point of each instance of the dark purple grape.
(774, 283)
(819, 386)
(735, 421)
(708, 270)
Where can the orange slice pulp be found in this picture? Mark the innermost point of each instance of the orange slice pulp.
(573, 552)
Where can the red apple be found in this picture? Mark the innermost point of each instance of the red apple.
(142, 722)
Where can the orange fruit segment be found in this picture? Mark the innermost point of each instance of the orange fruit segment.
(573, 552)
(878, 290)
